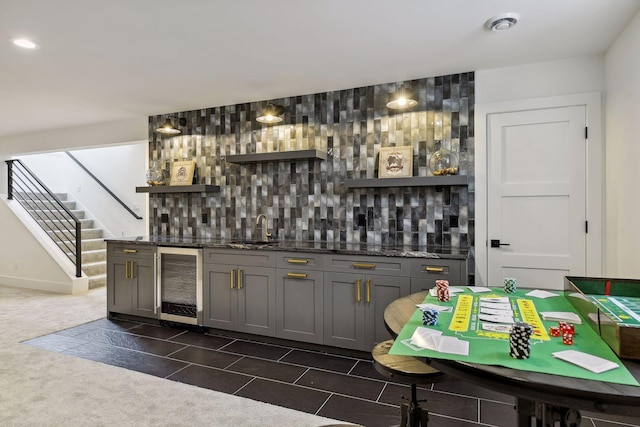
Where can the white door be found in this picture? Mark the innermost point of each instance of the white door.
(536, 201)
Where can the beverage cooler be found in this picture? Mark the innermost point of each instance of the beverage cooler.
(179, 281)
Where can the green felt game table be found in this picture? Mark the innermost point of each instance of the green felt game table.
(540, 394)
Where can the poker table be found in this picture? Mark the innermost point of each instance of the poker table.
(543, 397)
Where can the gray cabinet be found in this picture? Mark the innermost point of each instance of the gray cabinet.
(239, 291)
(299, 297)
(356, 291)
(425, 272)
(131, 280)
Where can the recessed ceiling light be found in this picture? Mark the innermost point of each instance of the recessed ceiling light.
(502, 22)
(26, 43)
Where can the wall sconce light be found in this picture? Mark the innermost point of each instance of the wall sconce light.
(168, 128)
(271, 114)
(401, 102)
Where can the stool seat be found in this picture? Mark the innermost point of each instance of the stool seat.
(406, 369)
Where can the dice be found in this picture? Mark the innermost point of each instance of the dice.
(567, 339)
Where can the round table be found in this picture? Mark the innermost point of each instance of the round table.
(536, 394)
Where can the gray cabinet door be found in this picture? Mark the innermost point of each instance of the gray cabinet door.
(379, 292)
(220, 298)
(299, 305)
(144, 291)
(119, 291)
(131, 281)
(344, 310)
(256, 296)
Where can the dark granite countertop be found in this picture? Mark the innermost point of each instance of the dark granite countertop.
(412, 251)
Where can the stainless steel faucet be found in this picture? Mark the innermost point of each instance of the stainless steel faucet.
(263, 228)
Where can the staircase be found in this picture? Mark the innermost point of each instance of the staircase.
(93, 247)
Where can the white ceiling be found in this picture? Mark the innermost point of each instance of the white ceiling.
(110, 60)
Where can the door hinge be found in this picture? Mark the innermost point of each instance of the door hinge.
(586, 226)
(586, 132)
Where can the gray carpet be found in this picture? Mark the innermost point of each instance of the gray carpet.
(43, 388)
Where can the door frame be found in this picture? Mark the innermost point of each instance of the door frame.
(592, 101)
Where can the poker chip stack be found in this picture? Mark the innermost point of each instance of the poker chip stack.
(509, 285)
(519, 345)
(430, 317)
(442, 290)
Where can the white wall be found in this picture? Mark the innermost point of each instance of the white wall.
(622, 66)
(120, 168)
(25, 262)
(562, 77)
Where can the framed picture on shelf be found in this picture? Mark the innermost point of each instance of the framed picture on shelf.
(395, 162)
(182, 172)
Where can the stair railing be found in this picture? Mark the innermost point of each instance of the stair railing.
(117, 199)
(55, 218)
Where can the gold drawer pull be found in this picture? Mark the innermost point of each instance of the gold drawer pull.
(240, 278)
(434, 269)
(368, 290)
(297, 261)
(358, 286)
(232, 277)
(363, 265)
(297, 275)
(129, 251)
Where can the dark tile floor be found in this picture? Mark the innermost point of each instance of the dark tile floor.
(318, 382)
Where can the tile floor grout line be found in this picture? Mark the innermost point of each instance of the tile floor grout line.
(323, 404)
(352, 368)
(382, 392)
(235, 393)
(301, 375)
(174, 352)
(285, 355)
(233, 363)
(181, 369)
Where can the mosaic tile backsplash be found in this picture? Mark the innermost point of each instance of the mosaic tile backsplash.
(307, 199)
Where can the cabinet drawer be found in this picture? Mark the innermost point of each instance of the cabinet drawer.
(446, 269)
(300, 260)
(254, 258)
(361, 264)
(130, 251)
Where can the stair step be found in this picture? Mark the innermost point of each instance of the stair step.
(92, 269)
(97, 281)
(57, 224)
(99, 255)
(52, 215)
(87, 233)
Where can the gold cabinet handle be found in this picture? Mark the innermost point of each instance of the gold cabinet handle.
(363, 265)
(358, 288)
(129, 251)
(240, 279)
(126, 269)
(232, 277)
(297, 275)
(132, 270)
(434, 269)
(297, 261)
(368, 290)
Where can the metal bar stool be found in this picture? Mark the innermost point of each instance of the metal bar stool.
(409, 370)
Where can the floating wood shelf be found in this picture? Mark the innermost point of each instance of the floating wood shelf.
(197, 188)
(277, 156)
(418, 181)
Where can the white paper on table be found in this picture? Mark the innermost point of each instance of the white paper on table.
(423, 337)
(561, 316)
(495, 305)
(496, 327)
(451, 345)
(439, 308)
(501, 300)
(539, 293)
(478, 289)
(495, 312)
(495, 319)
(407, 342)
(588, 361)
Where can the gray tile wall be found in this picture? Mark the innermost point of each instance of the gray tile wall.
(307, 199)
